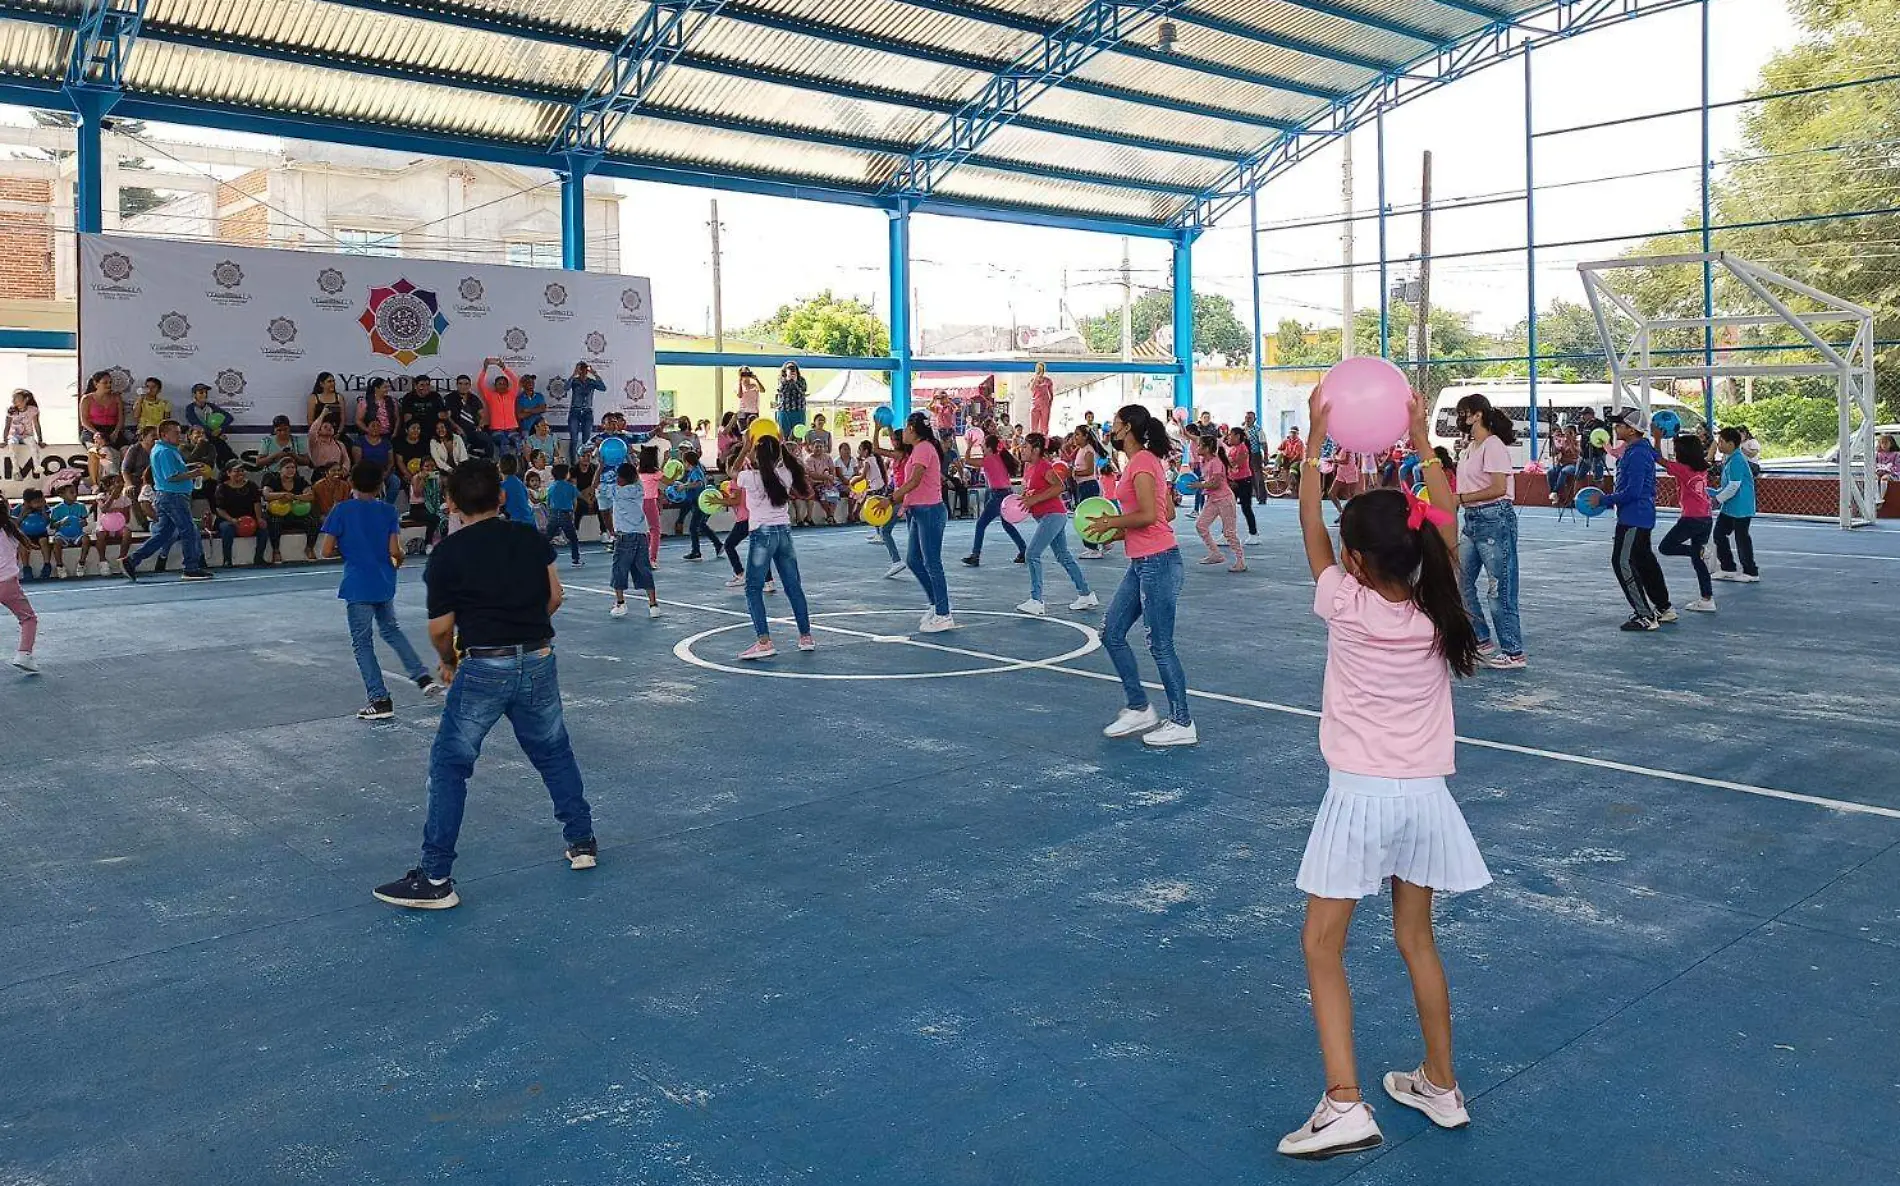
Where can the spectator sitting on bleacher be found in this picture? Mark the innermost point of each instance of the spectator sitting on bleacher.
(285, 489)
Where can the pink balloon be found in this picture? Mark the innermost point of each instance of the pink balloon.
(1367, 402)
(1013, 509)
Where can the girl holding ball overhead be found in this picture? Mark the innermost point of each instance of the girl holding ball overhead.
(1397, 633)
(1151, 587)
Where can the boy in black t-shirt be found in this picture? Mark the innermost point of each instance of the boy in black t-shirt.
(493, 590)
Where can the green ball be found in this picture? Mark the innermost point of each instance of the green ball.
(709, 502)
(1092, 508)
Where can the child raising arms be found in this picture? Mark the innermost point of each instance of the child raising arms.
(1397, 633)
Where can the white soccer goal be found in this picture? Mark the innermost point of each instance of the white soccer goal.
(1850, 362)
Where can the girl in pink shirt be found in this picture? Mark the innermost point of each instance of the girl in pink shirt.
(1215, 483)
(921, 492)
(1397, 632)
(13, 545)
(1697, 521)
(1151, 587)
(650, 480)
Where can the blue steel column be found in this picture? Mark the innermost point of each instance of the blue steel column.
(1385, 283)
(91, 107)
(574, 211)
(1184, 320)
(1530, 247)
(1708, 270)
(1259, 339)
(900, 309)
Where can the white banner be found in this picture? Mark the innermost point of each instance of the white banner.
(258, 325)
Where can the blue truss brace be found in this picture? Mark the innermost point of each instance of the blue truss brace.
(101, 44)
(1099, 26)
(1443, 65)
(625, 80)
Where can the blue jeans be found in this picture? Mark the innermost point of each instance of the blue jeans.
(1150, 589)
(507, 441)
(228, 535)
(1052, 532)
(524, 688)
(888, 533)
(926, 552)
(580, 425)
(562, 523)
(768, 548)
(381, 614)
(1559, 478)
(993, 510)
(174, 525)
(632, 561)
(1490, 533)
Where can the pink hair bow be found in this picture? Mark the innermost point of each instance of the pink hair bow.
(1421, 512)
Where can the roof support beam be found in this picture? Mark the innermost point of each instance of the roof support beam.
(1099, 25)
(95, 79)
(626, 78)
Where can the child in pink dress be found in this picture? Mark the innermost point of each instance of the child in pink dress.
(1220, 506)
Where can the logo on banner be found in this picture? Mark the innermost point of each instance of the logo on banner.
(115, 269)
(330, 286)
(471, 292)
(403, 322)
(636, 392)
(555, 309)
(515, 340)
(229, 388)
(282, 332)
(229, 277)
(121, 380)
(595, 341)
(632, 307)
(174, 327)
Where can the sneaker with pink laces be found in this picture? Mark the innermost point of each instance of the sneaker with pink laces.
(807, 643)
(762, 649)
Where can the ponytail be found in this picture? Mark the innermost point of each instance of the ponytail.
(1150, 431)
(1375, 526)
(920, 425)
(768, 456)
(1495, 422)
(994, 444)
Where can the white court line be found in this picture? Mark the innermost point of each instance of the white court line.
(1721, 784)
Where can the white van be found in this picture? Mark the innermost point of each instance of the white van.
(1558, 405)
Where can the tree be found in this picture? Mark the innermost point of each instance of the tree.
(825, 324)
(1565, 328)
(1818, 154)
(1217, 330)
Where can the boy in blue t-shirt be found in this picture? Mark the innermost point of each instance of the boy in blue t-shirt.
(514, 493)
(366, 531)
(1736, 498)
(563, 495)
(68, 520)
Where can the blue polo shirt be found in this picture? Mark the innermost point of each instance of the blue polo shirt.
(514, 500)
(1741, 504)
(168, 470)
(562, 495)
(362, 528)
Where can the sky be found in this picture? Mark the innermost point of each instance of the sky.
(976, 272)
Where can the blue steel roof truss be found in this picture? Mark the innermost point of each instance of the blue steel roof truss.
(661, 35)
(102, 43)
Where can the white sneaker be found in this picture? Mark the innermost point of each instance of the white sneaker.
(1446, 1106)
(1497, 660)
(937, 624)
(618, 611)
(1086, 601)
(1171, 734)
(1131, 721)
(1332, 1129)
(771, 586)
(1090, 553)
(1032, 606)
(1668, 615)
(653, 611)
(896, 570)
(24, 661)
(1741, 578)
(1702, 605)
(737, 582)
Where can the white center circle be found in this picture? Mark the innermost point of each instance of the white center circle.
(1091, 641)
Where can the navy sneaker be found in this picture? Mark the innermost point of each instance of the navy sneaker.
(130, 568)
(418, 892)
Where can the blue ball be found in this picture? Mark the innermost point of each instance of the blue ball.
(72, 530)
(1667, 422)
(613, 451)
(884, 417)
(1185, 483)
(676, 494)
(1590, 502)
(33, 524)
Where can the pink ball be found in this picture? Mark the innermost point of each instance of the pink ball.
(112, 522)
(1368, 404)
(1013, 509)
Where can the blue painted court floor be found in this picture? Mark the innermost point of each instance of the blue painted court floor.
(895, 912)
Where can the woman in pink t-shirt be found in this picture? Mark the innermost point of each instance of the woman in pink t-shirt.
(1396, 633)
(1042, 397)
(1042, 497)
(1485, 494)
(1152, 585)
(998, 476)
(921, 492)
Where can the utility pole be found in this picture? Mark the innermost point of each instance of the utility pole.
(1345, 239)
(1425, 277)
(1128, 321)
(718, 322)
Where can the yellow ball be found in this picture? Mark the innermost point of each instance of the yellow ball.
(859, 487)
(762, 428)
(878, 511)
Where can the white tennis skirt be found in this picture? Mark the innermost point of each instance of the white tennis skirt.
(1370, 829)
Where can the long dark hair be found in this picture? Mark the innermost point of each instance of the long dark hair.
(316, 388)
(769, 455)
(1148, 429)
(649, 459)
(1691, 452)
(7, 526)
(1104, 456)
(919, 423)
(1375, 525)
(1495, 422)
(994, 444)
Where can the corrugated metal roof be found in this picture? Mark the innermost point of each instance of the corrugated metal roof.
(819, 90)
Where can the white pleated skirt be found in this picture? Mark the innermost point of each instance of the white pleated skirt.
(1369, 829)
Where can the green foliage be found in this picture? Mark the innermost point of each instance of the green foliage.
(1564, 328)
(1794, 421)
(825, 324)
(1216, 328)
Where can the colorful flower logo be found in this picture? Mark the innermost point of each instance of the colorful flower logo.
(403, 322)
